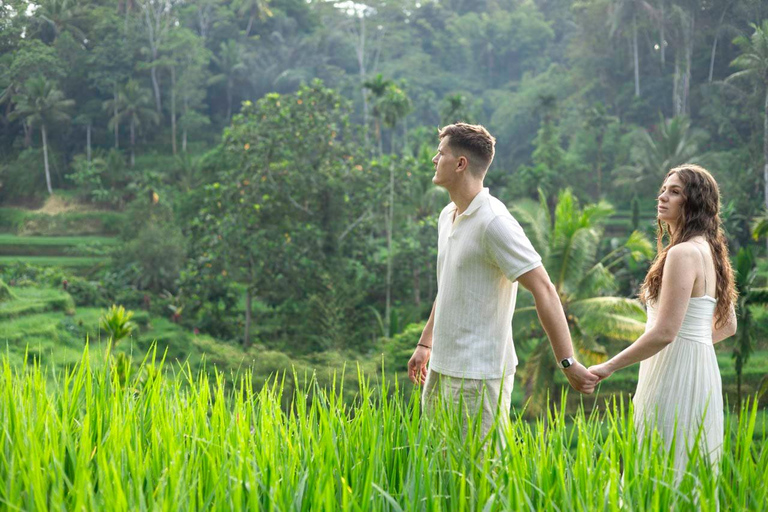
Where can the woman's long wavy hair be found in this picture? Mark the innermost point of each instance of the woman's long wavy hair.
(700, 216)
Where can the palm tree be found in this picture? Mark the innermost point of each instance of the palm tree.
(254, 9)
(393, 106)
(60, 15)
(749, 295)
(622, 13)
(455, 108)
(753, 63)
(134, 104)
(378, 87)
(760, 227)
(596, 121)
(230, 64)
(568, 244)
(652, 156)
(41, 103)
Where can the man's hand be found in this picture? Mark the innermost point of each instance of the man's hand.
(602, 371)
(417, 366)
(581, 379)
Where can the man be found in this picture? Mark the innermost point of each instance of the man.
(482, 254)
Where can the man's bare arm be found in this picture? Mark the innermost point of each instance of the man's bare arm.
(417, 366)
(552, 318)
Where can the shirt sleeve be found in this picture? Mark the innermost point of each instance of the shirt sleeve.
(507, 246)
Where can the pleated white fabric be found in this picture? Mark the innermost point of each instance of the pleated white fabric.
(679, 391)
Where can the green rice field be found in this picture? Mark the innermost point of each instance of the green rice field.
(61, 251)
(10, 239)
(96, 439)
(54, 261)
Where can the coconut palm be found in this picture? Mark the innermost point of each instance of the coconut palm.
(41, 103)
(568, 244)
(134, 105)
(625, 13)
(230, 64)
(393, 106)
(455, 107)
(753, 64)
(254, 9)
(652, 156)
(378, 87)
(60, 15)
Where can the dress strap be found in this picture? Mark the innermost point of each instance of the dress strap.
(703, 266)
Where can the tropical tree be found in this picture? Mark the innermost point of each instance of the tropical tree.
(159, 19)
(61, 16)
(269, 221)
(230, 64)
(255, 9)
(184, 55)
(229, 61)
(760, 227)
(87, 114)
(41, 104)
(625, 13)
(378, 87)
(597, 121)
(753, 64)
(682, 34)
(568, 244)
(459, 106)
(134, 105)
(391, 107)
(749, 295)
(421, 202)
(652, 156)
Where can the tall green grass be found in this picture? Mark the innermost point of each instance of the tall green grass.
(92, 439)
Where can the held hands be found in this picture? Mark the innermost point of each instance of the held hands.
(601, 371)
(581, 379)
(417, 366)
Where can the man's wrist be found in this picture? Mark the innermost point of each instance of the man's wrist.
(423, 345)
(566, 363)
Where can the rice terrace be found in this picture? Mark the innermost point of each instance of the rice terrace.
(384, 255)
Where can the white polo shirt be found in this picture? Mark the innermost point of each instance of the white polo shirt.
(480, 255)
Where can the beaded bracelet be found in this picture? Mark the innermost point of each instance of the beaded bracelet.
(423, 345)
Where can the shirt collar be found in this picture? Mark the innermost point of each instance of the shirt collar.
(476, 202)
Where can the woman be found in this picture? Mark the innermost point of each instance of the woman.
(689, 292)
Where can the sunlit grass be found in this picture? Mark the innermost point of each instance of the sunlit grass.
(85, 440)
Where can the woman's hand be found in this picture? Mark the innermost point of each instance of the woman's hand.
(602, 371)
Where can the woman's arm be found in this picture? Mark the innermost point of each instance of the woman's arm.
(676, 287)
(727, 330)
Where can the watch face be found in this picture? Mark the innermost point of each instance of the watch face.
(566, 363)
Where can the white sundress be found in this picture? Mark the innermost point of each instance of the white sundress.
(681, 385)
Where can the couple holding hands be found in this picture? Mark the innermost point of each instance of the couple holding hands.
(483, 253)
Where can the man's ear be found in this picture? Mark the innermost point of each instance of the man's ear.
(462, 163)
